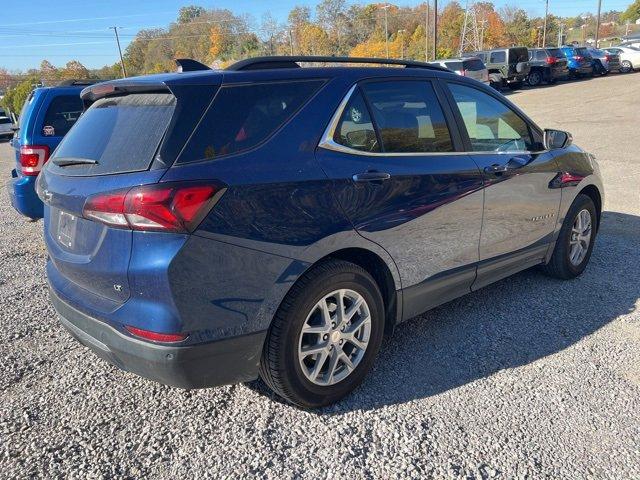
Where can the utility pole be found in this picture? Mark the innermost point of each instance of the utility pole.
(124, 70)
(560, 34)
(426, 32)
(598, 23)
(386, 27)
(435, 29)
(544, 31)
(291, 41)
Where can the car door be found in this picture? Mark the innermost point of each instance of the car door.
(520, 203)
(392, 152)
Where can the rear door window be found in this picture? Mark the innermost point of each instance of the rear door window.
(498, 57)
(243, 116)
(62, 113)
(408, 117)
(555, 52)
(491, 125)
(121, 134)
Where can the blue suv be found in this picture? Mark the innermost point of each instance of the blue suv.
(579, 61)
(276, 219)
(46, 117)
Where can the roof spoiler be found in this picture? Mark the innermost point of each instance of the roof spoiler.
(120, 87)
(190, 65)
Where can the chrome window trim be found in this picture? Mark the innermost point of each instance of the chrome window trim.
(328, 143)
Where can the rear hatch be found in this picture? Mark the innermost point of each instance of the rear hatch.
(518, 61)
(474, 68)
(120, 142)
(556, 59)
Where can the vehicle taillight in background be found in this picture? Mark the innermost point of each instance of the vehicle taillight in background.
(161, 207)
(463, 72)
(578, 58)
(607, 58)
(32, 158)
(551, 60)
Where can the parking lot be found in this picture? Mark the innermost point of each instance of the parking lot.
(528, 378)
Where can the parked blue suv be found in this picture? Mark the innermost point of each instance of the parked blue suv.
(46, 117)
(579, 61)
(275, 219)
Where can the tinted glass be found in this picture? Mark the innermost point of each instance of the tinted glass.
(453, 65)
(122, 134)
(581, 51)
(490, 124)
(498, 57)
(4, 120)
(355, 129)
(518, 55)
(62, 113)
(555, 52)
(541, 55)
(243, 116)
(408, 117)
(474, 65)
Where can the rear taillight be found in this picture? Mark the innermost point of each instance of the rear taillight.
(156, 336)
(578, 58)
(161, 207)
(607, 58)
(551, 60)
(463, 72)
(32, 158)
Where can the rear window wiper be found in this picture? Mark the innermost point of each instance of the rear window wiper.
(65, 162)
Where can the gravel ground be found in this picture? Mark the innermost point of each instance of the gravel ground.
(527, 378)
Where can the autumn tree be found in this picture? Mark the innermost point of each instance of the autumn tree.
(313, 40)
(50, 74)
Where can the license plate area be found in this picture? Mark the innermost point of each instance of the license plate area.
(67, 224)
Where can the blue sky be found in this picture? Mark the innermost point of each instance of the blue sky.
(62, 30)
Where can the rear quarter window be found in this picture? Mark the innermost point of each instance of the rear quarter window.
(62, 114)
(498, 57)
(243, 116)
(555, 52)
(474, 65)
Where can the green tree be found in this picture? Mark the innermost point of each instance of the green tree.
(189, 13)
(632, 13)
(15, 97)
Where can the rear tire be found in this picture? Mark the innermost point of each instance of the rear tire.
(306, 321)
(534, 79)
(625, 66)
(564, 262)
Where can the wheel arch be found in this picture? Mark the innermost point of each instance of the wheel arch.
(592, 192)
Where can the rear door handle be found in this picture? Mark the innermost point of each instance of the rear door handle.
(371, 177)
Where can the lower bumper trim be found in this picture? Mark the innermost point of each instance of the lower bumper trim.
(223, 362)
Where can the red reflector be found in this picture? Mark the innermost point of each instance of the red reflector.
(32, 158)
(155, 336)
(160, 207)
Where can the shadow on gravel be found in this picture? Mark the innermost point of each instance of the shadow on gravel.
(508, 324)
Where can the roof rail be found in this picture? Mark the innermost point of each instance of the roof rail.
(71, 82)
(266, 63)
(190, 65)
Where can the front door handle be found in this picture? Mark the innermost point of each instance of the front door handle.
(513, 164)
(371, 177)
(496, 168)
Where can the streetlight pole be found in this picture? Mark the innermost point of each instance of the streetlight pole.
(403, 31)
(124, 71)
(435, 28)
(544, 31)
(386, 28)
(598, 22)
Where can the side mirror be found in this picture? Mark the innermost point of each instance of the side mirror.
(555, 139)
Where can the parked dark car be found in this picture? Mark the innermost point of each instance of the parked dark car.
(507, 66)
(46, 117)
(471, 67)
(547, 65)
(207, 227)
(579, 61)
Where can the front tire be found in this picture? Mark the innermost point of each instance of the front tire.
(575, 242)
(325, 335)
(626, 66)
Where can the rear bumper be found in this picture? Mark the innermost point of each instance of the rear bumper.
(222, 362)
(23, 196)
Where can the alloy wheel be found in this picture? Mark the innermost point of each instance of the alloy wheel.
(580, 237)
(626, 66)
(334, 337)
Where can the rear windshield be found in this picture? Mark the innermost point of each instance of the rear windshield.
(243, 116)
(453, 65)
(121, 134)
(474, 64)
(581, 51)
(555, 52)
(62, 113)
(518, 55)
